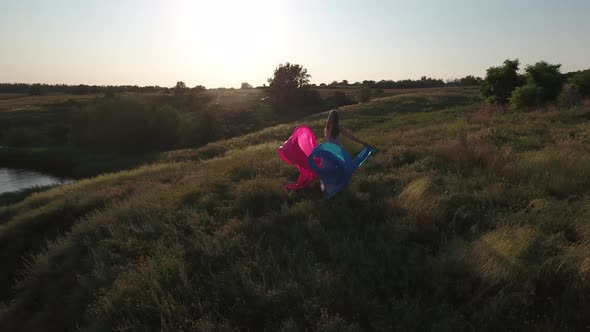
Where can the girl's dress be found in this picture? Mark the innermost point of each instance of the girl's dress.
(335, 140)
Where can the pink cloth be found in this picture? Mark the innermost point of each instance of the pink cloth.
(296, 151)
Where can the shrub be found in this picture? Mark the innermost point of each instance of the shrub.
(582, 81)
(58, 134)
(526, 96)
(200, 130)
(337, 99)
(364, 95)
(569, 97)
(19, 137)
(500, 82)
(306, 98)
(163, 127)
(547, 77)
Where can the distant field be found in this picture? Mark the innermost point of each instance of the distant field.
(13, 101)
(228, 97)
(4, 96)
(233, 97)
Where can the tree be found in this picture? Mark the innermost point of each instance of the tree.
(500, 82)
(246, 85)
(289, 76)
(548, 77)
(470, 80)
(81, 89)
(582, 81)
(36, 90)
(286, 85)
(337, 99)
(180, 88)
(344, 83)
(198, 88)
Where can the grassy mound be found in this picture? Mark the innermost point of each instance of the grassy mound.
(467, 218)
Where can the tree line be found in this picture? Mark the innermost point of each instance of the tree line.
(38, 89)
(423, 82)
(290, 91)
(79, 89)
(541, 83)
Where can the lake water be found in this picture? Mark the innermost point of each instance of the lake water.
(16, 179)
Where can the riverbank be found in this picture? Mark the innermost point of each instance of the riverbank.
(14, 197)
(68, 162)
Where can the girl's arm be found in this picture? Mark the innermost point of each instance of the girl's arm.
(346, 133)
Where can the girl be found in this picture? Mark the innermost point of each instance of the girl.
(333, 131)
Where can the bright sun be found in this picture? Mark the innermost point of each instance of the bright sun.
(228, 35)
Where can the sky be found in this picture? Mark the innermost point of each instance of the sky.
(222, 43)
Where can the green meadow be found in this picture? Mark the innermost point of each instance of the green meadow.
(469, 217)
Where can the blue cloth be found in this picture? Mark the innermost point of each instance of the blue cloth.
(335, 166)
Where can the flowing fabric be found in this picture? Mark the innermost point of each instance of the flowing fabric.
(295, 151)
(329, 161)
(335, 166)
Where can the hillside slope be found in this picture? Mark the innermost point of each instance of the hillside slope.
(465, 219)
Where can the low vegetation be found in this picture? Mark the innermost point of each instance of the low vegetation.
(540, 85)
(469, 217)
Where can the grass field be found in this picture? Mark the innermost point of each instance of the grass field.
(5, 96)
(227, 97)
(10, 102)
(13, 101)
(468, 218)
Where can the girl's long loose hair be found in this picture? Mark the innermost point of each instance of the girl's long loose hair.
(332, 129)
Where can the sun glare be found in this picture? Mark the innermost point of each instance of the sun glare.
(229, 36)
